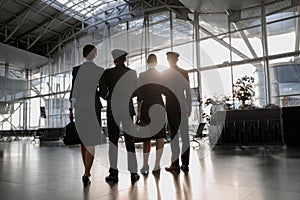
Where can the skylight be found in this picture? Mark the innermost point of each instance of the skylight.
(84, 9)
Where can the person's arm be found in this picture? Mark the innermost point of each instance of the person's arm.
(135, 87)
(188, 95)
(71, 105)
(164, 79)
(103, 90)
(139, 108)
(138, 93)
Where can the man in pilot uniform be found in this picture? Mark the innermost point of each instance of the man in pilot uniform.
(178, 107)
(121, 93)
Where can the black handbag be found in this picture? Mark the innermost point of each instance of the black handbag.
(71, 134)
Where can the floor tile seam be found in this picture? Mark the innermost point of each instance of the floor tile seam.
(111, 193)
(250, 193)
(45, 189)
(278, 189)
(230, 185)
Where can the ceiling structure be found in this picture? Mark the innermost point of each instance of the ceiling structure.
(42, 26)
(220, 6)
(39, 26)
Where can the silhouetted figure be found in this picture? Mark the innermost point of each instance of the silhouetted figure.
(150, 93)
(121, 94)
(178, 106)
(89, 138)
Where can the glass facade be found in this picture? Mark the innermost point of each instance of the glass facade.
(255, 42)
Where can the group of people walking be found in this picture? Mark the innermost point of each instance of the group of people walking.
(118, 86)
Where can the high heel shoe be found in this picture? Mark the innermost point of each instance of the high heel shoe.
(145, 170)
(86, 180)
(156, 171)
(134, 178)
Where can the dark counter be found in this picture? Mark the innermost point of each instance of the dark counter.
(255, 126)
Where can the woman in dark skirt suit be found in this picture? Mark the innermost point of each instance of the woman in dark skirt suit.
(91, 138)
(150, 93)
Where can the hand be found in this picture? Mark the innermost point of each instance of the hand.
(71, 115)
(138, 116)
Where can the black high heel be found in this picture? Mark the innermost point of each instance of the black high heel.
(86, 180)
(145, 170)
(156, 171)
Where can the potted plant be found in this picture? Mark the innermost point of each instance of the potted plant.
(215, 124)
(243, 90)
(217, 104)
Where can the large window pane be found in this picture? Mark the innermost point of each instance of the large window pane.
(187, 58)
(281, 37)
(104, 58)
(216, 83)
(247, 44)
(120, 41)
(136, 41)
(70, 60)
(45, 85)
(138, 63)
(159, 31)
(213, 24)
(34, 112)
(285, 81)
(182, 31)
(213, 52)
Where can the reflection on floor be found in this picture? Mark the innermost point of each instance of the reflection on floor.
(53, 171)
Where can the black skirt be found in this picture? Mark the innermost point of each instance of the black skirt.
(153, 136)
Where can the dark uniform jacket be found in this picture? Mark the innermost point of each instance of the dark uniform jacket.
(150, 91)
(177, 81)
(126, 81)
(98, 104)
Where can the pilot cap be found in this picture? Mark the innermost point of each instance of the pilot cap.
(117, 53)
(173, 54)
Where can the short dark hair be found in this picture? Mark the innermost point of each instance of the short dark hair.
(87, 49)
(120, 60)
(152, 59)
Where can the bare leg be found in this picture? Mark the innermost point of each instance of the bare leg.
(83, 155)
(89, 159)
(159, 151)
(146, 151)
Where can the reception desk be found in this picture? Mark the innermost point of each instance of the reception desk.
(255, 126)
(291, 125)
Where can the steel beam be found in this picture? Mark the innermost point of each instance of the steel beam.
(47, 22)
(24, 18)
(106, 20)
(297, 31)
(265, 54)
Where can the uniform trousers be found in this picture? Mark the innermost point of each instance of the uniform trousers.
(114, 135)
(179, 122)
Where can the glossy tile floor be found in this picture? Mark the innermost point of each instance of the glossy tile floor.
(52, 171)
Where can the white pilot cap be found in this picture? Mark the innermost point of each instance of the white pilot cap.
(117, 53)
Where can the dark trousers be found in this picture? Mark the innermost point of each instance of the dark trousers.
(114, 135)
(179, 122)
